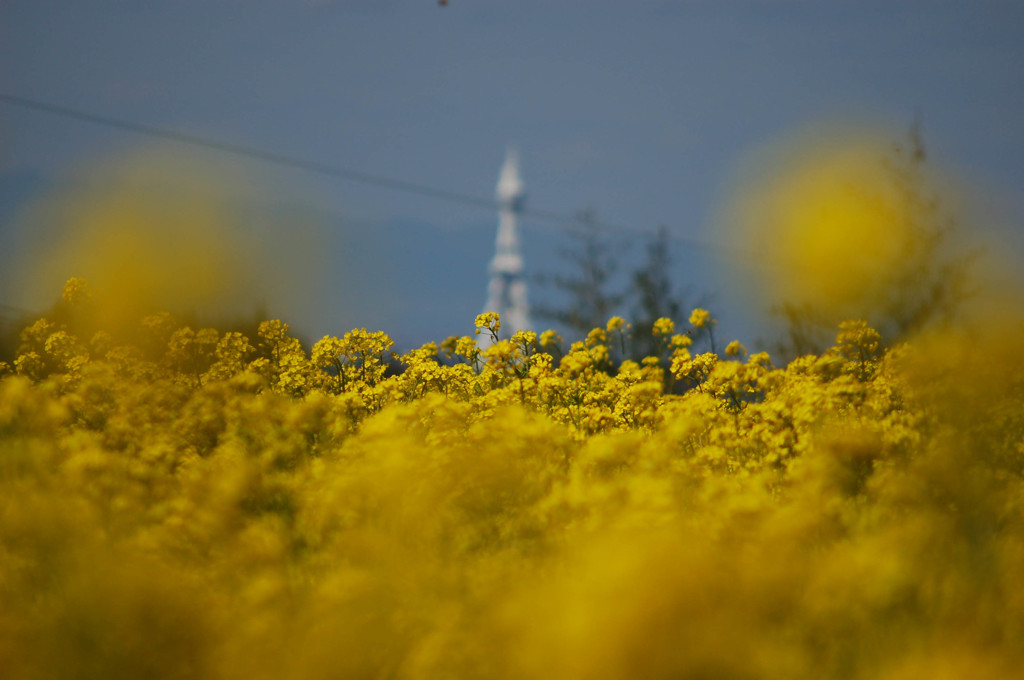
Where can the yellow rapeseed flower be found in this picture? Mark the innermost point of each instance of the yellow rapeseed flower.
(664, 326)
(699, 318)
(735, 348)
(76, 292)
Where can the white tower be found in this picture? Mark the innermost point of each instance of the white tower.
(506, 293)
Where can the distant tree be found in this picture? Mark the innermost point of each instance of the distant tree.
(653, 295)
(593, 294)
(587, 285)
(934, 282)
(806, 331)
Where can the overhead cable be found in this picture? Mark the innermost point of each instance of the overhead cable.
(573, 222)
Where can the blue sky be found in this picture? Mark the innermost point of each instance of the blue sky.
(639, 110)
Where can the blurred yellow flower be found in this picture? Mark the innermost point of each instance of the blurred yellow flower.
(825, 222)
(204, 503)
(699, 318)
(664, 326)
(735, 348)
(76, 291)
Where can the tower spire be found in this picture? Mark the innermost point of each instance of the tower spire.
(506, 293)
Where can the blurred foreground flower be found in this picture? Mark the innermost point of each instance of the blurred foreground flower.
(840, 225)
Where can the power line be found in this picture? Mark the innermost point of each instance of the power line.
(248, 151)
(328, 170)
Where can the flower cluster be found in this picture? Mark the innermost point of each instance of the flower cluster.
(186, 502)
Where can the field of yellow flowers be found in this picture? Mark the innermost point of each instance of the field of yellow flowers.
(185, 503)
